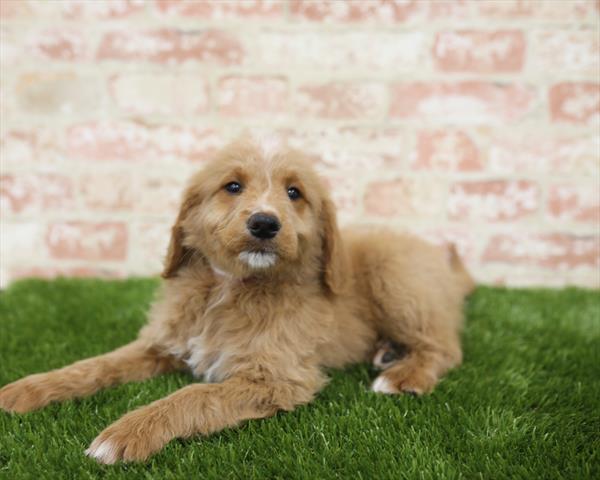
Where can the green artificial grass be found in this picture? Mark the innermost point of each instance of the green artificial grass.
(525, 403)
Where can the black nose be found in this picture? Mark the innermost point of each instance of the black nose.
(263, 226)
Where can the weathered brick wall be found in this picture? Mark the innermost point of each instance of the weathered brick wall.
(474, 121)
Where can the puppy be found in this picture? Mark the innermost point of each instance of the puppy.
(261, 292)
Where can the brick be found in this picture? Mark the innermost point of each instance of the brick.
(105, 9)
(145, 193)
(404, 50)
(480, 51)
(340, 100)
(465, 241)
(573, 51)
(344, 192)
(64, 45)
(446, 150)
(464, 102)
(350, 148)
(165, 94)
(544, 151)
(222, 10)
(27, 194)
(21, 241)
(554, 250)
(538, 9)
(158, 195)
(130, 141)
(331, 11)
(405, 197)
(149, 246)
(252, 95)
(107, 192)
(494, 200)
(70, 9)
(575, 102)
(87, 241)
(171, 47)
(574, 202)
(23, 148)
(58, 93)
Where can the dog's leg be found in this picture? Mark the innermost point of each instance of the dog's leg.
(432, 347)
(197, 409)
(133, 362)
(420, 370)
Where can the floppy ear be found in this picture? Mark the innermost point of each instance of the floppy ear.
(335, 261)
(177, 254)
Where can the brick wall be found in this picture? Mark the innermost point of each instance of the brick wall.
(474, 121)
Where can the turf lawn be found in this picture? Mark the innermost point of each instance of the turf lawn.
(525, 403)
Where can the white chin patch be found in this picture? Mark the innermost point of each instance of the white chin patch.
(258, 259)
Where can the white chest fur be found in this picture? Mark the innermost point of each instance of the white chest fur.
(210, 364)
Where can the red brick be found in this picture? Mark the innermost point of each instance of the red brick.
(34, 193)
(341, 100)
(555, 250)
(385, 11)
(448, 150)
(109, 141)
(171, 47)
(463, 102)
(102, 9)
(252, 95)
(480, 51)
(465, 241)
(544, 151)
(58, 45)
(350, 148)
(87, 241)
(21, 149)
(70, 9)
(538, 9)
(575, 102)
(575, 202)
(107, 191)
(165, 94)
(573, 51)
(220, 10)
(493, 200)
(405, 197)
(124, 141)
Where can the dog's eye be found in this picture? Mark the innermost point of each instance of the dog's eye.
(233, 188)
(293, 193)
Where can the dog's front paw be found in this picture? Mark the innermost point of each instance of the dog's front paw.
(27, 394)
(399, 379)
(133, 438)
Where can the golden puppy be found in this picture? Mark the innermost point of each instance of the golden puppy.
(262, 292)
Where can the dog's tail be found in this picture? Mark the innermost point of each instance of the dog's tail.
(458, 267)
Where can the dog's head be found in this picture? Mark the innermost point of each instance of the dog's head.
(255, 210)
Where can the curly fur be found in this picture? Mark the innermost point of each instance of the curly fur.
(261, 332)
